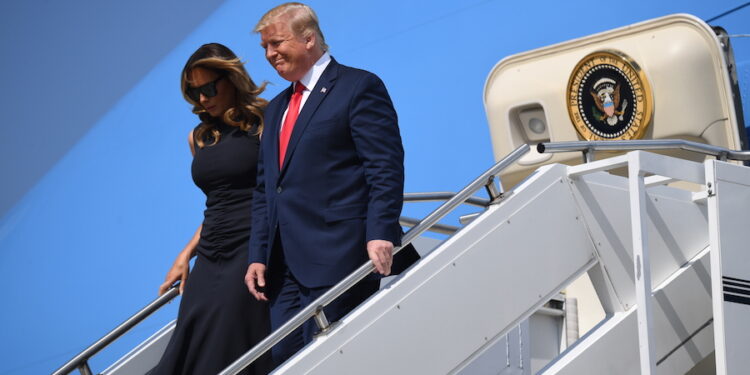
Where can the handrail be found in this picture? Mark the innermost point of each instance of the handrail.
(80, 361)
(443, 196)
(437, 228)
(438, 196)
(648, 144)
(315, 309)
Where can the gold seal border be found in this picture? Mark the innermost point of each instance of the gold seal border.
(647, 102)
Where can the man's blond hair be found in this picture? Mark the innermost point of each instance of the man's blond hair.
(301, 19)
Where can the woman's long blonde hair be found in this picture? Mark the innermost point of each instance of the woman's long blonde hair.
(247, 110)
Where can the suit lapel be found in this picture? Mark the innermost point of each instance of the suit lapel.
(317, 94)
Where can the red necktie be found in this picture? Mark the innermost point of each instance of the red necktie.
(291, 117)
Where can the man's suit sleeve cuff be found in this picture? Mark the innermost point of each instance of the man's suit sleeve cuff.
(251, 261)
(394, 236)
(256, 257)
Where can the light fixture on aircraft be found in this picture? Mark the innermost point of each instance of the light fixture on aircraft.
(537, 126)
(533, 124)
(529, 126)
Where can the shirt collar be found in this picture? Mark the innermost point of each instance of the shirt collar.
(313, 75)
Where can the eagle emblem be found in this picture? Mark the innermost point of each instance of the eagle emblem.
(606, 93)
(609, 97)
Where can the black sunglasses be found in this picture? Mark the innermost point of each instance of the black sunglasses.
(208, 90)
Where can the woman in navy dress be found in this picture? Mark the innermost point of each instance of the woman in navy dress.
(218, 319)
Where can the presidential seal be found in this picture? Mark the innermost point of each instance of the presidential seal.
(609, 97)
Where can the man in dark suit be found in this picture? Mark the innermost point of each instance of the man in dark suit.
(330, 177)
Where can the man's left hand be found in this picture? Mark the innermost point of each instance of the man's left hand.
(381, 254)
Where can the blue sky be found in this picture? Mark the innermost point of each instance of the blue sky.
(98, 198)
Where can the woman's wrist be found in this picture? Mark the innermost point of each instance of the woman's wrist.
(185, 256)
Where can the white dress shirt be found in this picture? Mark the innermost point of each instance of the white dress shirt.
(309, 80)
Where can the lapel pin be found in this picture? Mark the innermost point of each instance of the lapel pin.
(323, 90)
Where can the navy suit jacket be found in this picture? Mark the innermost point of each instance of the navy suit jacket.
(342, 181)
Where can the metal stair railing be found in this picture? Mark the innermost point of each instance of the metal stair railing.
(438, 196)
(80, 361)
(315, 309)
(437, 228)
(588, 148)
(639, 165)
(443, 196)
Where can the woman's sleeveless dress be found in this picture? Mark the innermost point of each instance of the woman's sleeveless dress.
(218, 319)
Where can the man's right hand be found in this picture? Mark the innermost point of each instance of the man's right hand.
(254, 278)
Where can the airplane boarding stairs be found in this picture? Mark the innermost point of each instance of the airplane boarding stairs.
(644, 244)
(498, 270)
